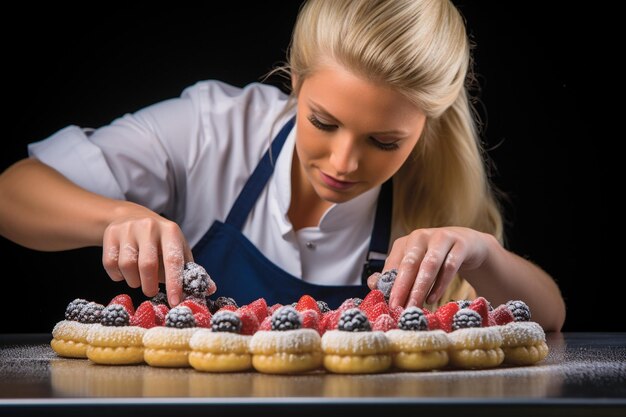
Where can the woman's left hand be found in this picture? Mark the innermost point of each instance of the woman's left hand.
(428, 259)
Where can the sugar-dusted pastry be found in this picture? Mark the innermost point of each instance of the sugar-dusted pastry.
(222, 348)
(523, 341)
(168, 346)
(353, 348)
(287, 348)
(114, 341)
(414, 347)
(69, 336)
(473, 346)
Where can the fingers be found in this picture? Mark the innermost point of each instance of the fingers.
(145, 252)
(427, 261)
(372, 280)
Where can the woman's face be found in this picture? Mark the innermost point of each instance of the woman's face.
(352, 135)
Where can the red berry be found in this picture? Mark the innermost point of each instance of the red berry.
(445, 314)
(481, 306)
(249, 322)
(372, 298)
(306, 302)
(258, 307)
(125, 301)
(376, 310)
(145, 316)
(203, 320)
(266, 324)
(311, 319)
(501, 315)
(384, 322)
(195, 306)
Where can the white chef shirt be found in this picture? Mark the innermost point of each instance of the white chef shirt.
(188, 158)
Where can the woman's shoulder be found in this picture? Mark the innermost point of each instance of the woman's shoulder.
(215, 91)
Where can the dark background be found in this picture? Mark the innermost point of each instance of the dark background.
(534, 66)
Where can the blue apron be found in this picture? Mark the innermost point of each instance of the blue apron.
(242, 272)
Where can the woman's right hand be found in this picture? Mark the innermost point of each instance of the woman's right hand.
(143, 249)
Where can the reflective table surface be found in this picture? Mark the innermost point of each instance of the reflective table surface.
(584, 374)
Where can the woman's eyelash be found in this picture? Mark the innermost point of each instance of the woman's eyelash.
(380, 145)
(315, 122)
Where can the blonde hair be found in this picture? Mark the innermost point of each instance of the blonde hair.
(419, 48)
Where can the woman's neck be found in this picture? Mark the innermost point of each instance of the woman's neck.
(306, 207)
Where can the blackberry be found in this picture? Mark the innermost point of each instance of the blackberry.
(195, 279)
(225, 301)
(90, 313)
(286, 318)
(159, 298)
(465, 318)
(323, 306)
(357, 301)
(385, 282)
(115, 315)
(354, 320)
(463, 303)
(226, 321)
(519, 309)
(180, 317)
(73, 308)
(413, 318)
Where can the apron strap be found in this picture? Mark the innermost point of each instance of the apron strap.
(379, 242)
(256, 182)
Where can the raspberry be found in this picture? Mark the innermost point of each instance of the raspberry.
(413, 318)
(226, 321)
(354, 320)
(385, 282)
(195, 279)
(465, 318)
(286, 318)
(73, 308)
(180, 317)
(125, 301)
(90, 313)
(520, 310)
(384, 322)
(115, 315)
(501, 315)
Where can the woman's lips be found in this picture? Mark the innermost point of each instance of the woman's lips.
(335, 183)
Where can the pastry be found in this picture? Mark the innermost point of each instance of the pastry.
(222, 348)
(473, 346)
(414, 347)
(114, 341)
(168, 346)
(286, 348)
(69, 336)
(353, 348)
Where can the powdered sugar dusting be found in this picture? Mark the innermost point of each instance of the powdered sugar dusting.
(293, 341)
(477, 337)
(206, 340)
(355, 342)
(412, 340)
(168, 337)
(100, 335)
(521, 332)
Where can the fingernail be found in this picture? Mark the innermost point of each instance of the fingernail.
(174, 300)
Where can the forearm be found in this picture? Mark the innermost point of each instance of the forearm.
(42, 210)
(506, 276)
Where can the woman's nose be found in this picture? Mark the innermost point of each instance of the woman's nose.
(344, 157)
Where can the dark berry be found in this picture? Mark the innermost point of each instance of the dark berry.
(323, 306)
(74, 307)
(357, 301)
(353, 320)
(465, 318)
(195, 279)
(90, 313)
(286, 318)
(385, 282)
(225, 301)
(180, 317)
(463, 303)
(115, 315)
(413, 318)
(159, 298)
(519, 309)
(226, 321)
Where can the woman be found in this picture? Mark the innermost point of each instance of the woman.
(375, 156)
